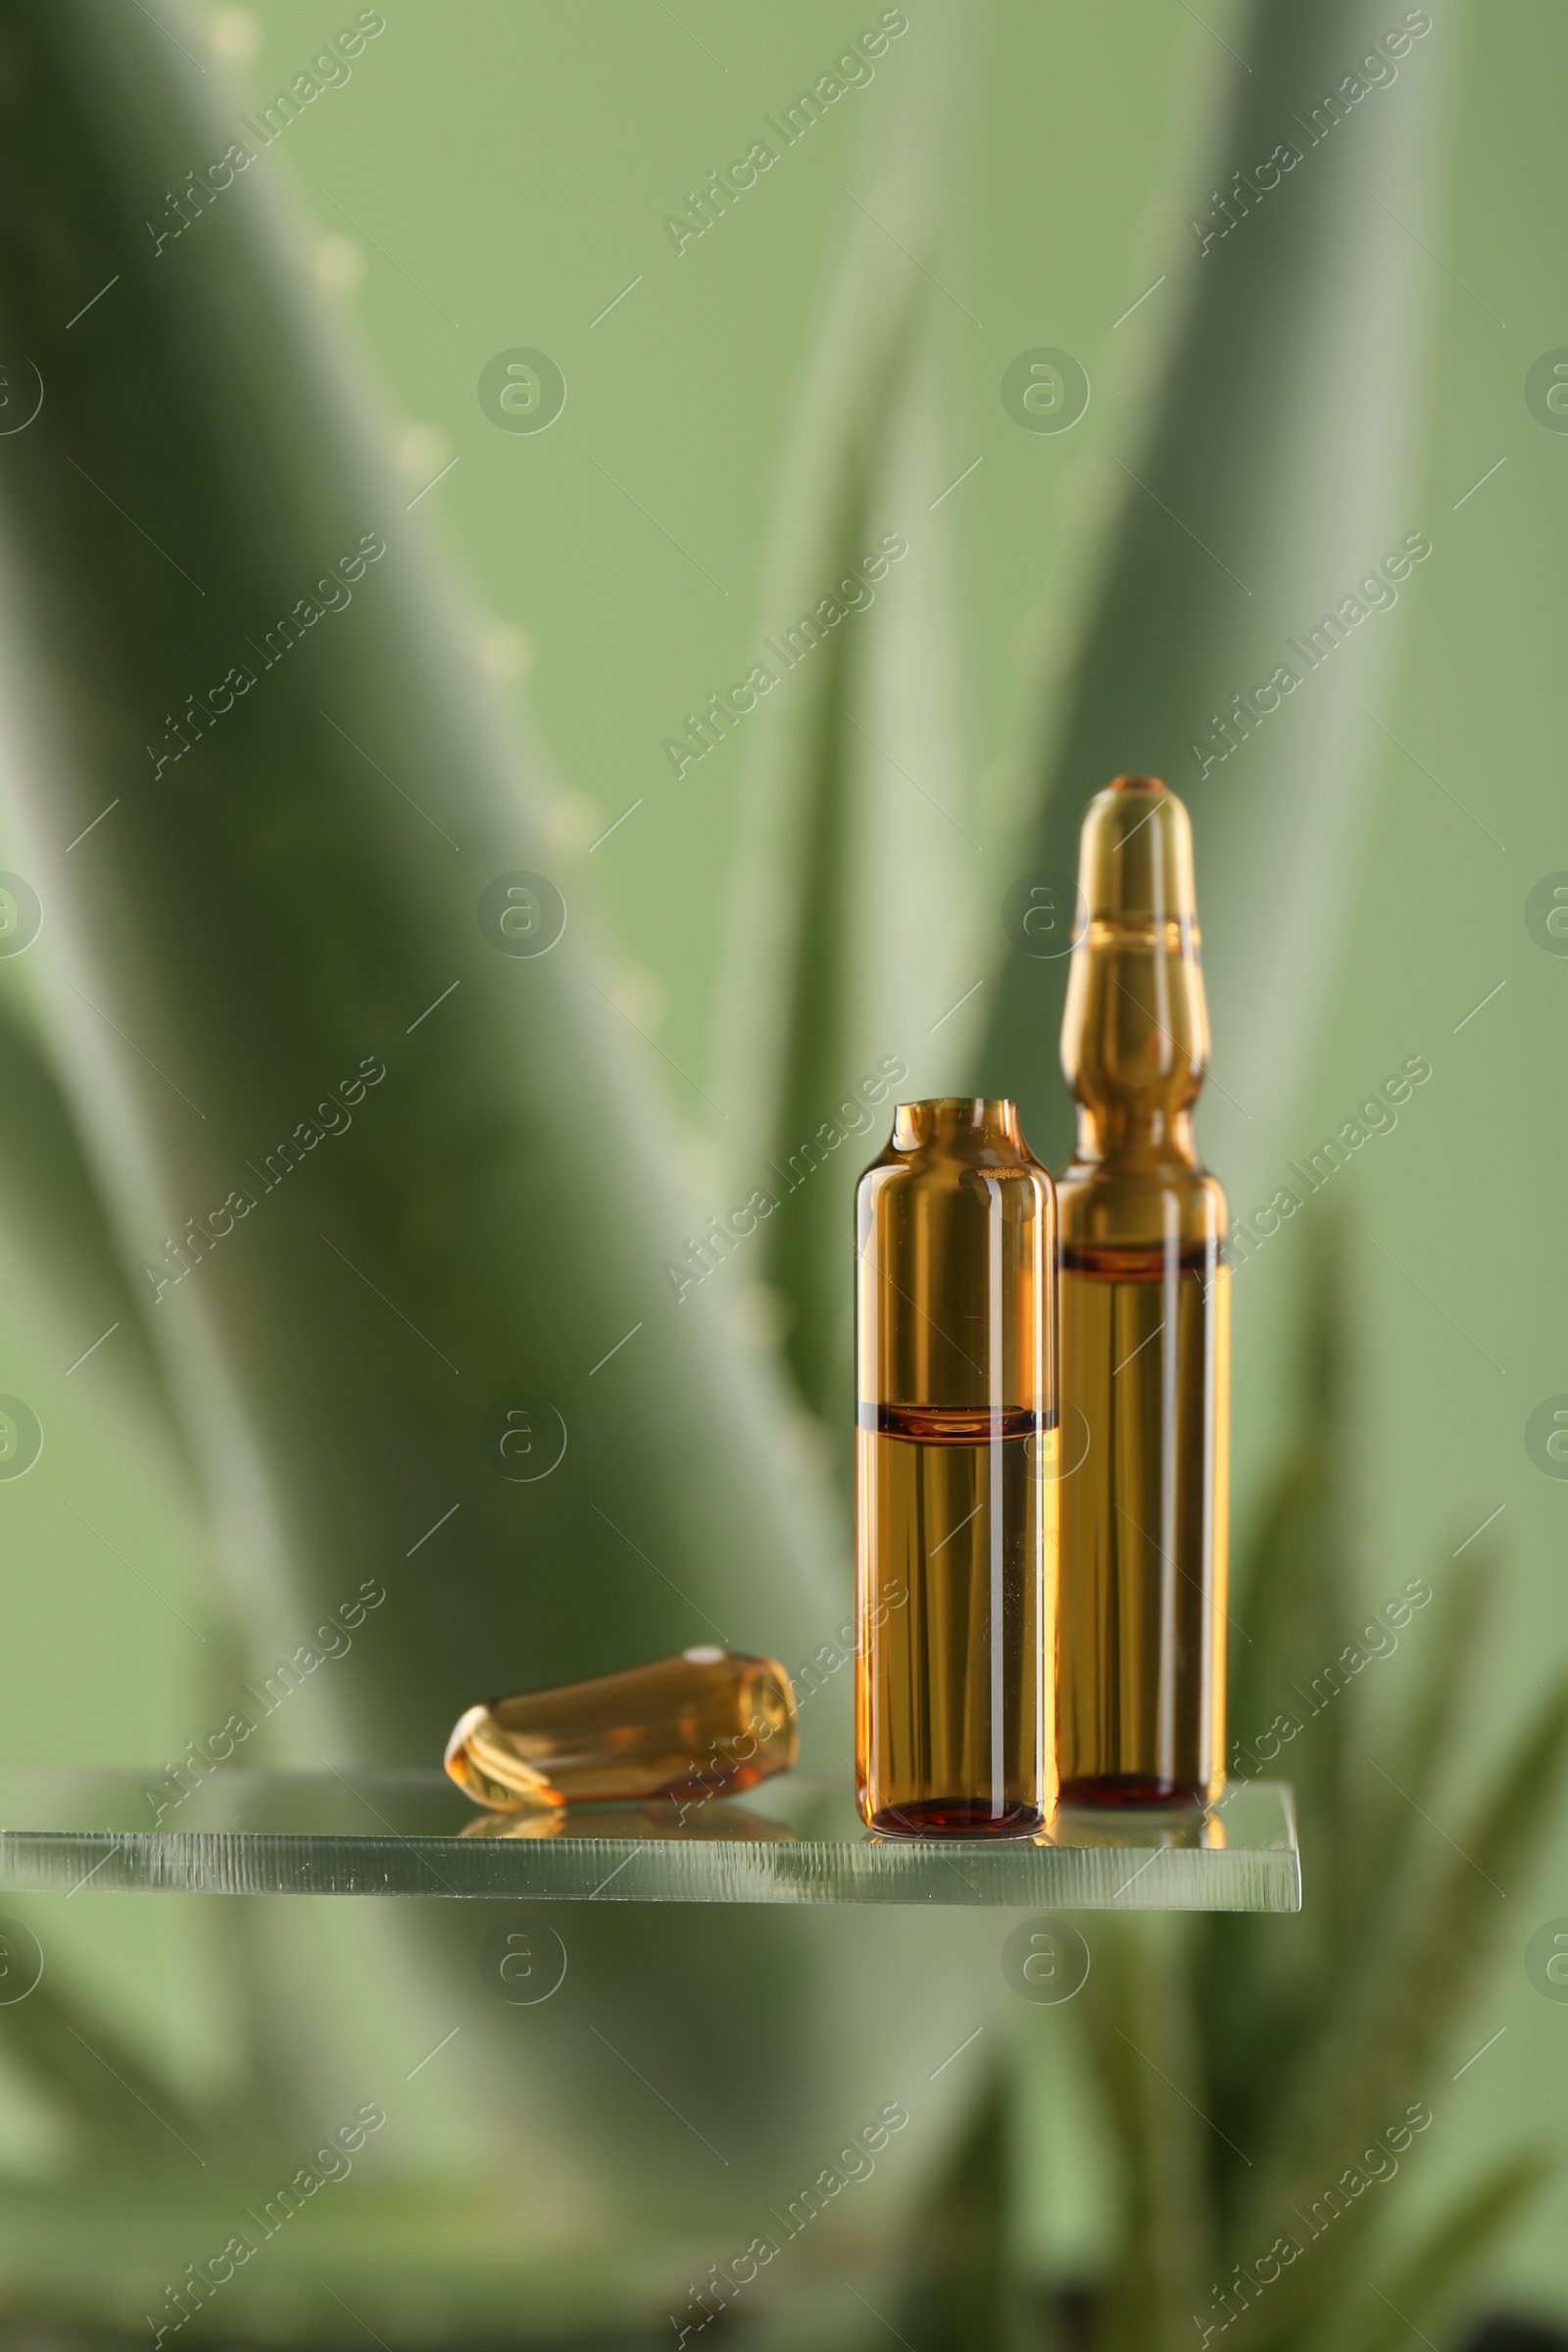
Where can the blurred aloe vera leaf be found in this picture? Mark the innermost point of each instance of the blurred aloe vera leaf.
(55, 1234)
(1425, 1947)
(838, 815)
(1410, 1755)
(1422, 2283)
(1374, 2028)
(1065, 2185)
(115, 2105)
(103, 2256)
(958, 2292)
(1294, 1590)
(1330, 2304)
(1293, 1607)
(1377, 1925)
(1301, 2042)
(143, 2175)
(262, 925)
(1139, 2020)
(1293, 1666)
(1138, 2027)
(1320, 2038)
(1266, 491)
(379, 2249)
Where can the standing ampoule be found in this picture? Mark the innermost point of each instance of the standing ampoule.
(954, 1476)
(1144, 1308)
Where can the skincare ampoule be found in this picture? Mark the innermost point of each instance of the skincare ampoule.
(1144, 1306)
(701, 1725)
(954, 1476)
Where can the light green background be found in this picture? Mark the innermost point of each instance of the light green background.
(494, 174)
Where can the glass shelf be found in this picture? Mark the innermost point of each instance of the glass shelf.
(794, 1841)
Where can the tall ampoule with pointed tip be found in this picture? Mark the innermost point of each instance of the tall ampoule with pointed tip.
(1144, 1308)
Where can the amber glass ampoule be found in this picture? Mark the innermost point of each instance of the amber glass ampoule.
(954, 1489)
(1144, 1306)
(704, 1724)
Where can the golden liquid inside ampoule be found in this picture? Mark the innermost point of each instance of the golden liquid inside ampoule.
(701, 1725)
(1144, 1306)
(955, 1487)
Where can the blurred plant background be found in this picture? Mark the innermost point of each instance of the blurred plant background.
(229, 410)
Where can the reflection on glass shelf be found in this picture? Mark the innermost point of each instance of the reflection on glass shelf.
(668, 1819)
(794, 1842)
(1163, 1827)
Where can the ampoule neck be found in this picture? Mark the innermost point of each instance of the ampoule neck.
(972, 1128)
(1115, 1138)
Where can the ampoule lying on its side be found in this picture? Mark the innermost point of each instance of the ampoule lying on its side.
(701, 1725)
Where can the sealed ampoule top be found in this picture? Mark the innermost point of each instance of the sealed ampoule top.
(954, 1497)
(1145, 1305)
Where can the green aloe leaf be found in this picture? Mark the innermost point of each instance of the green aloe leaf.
(1310, 2038)
(58, 1237)
(1258, 500)
(845, 848)
(1411, 1760)
(415, 1184)
(115, 2105)
(1424, 1950)
(1416, 2292)
(956, 2291)
(1252, 508)
(1295, 1711)
(1142, 2027)
(380, 1266)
